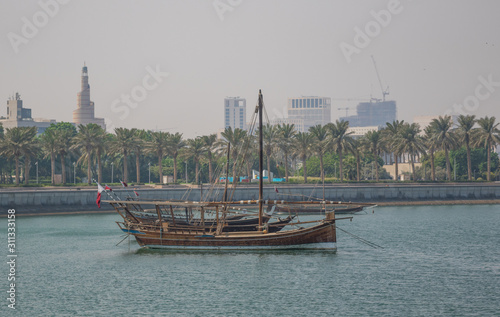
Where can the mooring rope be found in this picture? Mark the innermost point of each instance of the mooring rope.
(371, 244)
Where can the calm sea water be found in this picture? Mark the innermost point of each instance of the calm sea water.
(439, 260)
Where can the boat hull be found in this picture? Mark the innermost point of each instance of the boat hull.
(319, 237)
(324, 246)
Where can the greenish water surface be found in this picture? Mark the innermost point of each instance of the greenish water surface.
(435, 261)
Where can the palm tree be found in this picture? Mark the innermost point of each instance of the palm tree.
(431, 147)
(302, 149)
(249, 153)
(195, 150)
(101, 141)
(390, 133)
(236, 138)
(465, 128)
(286, 136)
(49, 145)
(210, 142)
(373, 141)
(123, 143)
(158, 146)
(19, 142)
(355, 148)
(488, 136)
(409, 141)
(320, 143)
(270, 136)
(29, 151)
(445, 138)
(88, 139)
(137, 147)
(64, 136)
(175, 144)
(340, 139)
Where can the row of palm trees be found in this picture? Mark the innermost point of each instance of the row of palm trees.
(282, 143)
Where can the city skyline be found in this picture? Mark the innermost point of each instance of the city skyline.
(168, 66)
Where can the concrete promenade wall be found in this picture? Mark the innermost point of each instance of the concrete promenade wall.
(46, 200)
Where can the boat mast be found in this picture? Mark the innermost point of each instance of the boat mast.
(261, 161)
(227, 171)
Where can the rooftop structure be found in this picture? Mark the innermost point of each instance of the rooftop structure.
(358, 132)
(18, 116)
(298, 123)
(425, 121)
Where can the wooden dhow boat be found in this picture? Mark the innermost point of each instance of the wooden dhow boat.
(161, 233)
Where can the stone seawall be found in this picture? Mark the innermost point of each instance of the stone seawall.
(55, 200)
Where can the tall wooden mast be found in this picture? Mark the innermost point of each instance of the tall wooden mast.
(261, 161)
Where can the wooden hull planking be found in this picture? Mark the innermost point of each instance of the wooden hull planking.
(321, 236)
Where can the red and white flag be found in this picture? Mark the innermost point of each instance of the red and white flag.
(100, 189)
(108, 188)
(124, 184)
(276, 189)
(136, 193)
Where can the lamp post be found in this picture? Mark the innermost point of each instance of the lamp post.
(36, 163)
(112, 165)
(74, 173)
(186, 171)
(149, 170)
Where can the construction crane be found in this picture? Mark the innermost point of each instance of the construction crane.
(346, 110)
(386, 91)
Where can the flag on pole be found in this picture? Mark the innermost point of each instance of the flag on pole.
(124, 184)
(100, 189)
(108, 188)
(136, 193)
(276, 189)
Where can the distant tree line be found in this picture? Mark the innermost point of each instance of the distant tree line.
(325, 151)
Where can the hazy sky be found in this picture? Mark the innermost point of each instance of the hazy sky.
(431, 54)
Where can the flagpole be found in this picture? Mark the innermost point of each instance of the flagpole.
(125, 185)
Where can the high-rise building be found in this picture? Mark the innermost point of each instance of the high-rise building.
(18, 116)
(373, 113)
(84, 113)
(235, 113)
(312, 110)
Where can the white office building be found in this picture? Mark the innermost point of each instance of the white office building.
(235, 113)
(311, 110)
